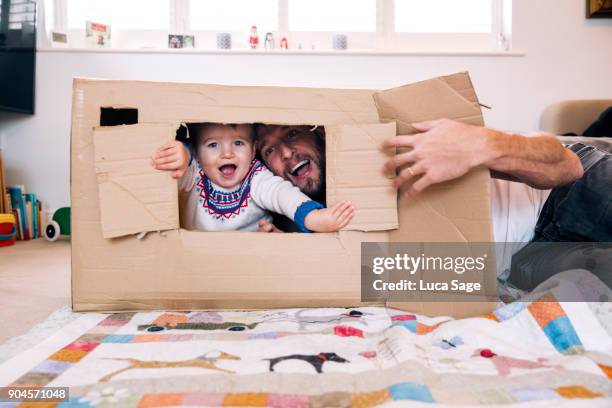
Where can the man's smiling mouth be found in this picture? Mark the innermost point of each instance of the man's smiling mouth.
(301, 169)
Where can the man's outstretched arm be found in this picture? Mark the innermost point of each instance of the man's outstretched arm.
(445, 149)
(540, 161)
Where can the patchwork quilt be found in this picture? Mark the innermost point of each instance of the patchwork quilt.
(539, 353)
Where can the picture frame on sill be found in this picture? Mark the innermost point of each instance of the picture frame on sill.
(59, 39)
(97, 35)
(181, 41)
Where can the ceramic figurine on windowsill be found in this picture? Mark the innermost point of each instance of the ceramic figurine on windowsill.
(284, 44)
(254, 38)
(269, 41)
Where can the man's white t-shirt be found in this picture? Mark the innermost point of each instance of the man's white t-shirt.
(515, 208)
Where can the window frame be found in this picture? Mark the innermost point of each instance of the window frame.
(383, 40)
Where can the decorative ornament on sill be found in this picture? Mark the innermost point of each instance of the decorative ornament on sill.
(502, 42)
(269, 41)
(254, 38)
(284, 44)
(340, 42)
(224, 41)
(188, 41)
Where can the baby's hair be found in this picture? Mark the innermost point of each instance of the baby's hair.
(196, 130)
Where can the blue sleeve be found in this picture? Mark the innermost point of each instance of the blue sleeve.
(302, 211)
(188, 147)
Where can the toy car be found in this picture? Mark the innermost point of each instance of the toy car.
(193, 321)
(59, 224)
(231, 326)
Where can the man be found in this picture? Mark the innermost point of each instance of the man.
(296, 153)
(539, 208)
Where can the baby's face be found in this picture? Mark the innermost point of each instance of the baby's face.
(225, 154)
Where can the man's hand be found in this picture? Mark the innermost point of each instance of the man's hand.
(267, 226)
(330, 219)
(173, 157)
(445, 149)
(442, 150)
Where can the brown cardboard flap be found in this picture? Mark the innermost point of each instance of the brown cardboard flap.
(354, 172)
(134, 197)
(451, 97)
(438, 214)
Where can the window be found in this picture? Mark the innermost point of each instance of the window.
(233, 15)
(120, 14)
(325, 15)
(386, 25)
(443, 16)
(454, 25)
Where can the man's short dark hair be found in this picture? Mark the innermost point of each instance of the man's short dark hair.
(261, 129)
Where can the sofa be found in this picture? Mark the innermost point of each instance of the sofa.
(574, 116)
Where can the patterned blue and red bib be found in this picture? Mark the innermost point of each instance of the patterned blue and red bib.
(223, 204)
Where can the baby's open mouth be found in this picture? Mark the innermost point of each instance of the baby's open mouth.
(228, 170)
(301, 169)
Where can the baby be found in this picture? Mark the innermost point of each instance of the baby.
(229, 189)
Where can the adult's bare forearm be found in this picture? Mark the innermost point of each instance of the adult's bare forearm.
(445, 149)
(539, 161)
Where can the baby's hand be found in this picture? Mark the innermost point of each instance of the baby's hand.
(267, 226)
(330, 219)
(173, 157)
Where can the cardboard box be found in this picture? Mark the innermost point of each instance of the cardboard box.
(116, 194)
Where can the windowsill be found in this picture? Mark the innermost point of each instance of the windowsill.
(476, 53)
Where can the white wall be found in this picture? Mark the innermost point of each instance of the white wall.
(566, 57)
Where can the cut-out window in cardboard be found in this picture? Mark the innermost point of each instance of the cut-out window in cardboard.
(135, 198)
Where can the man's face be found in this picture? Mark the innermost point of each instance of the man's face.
(294, 153)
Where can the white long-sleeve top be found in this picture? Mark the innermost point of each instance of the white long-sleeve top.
(515, 209)
(209, 207)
